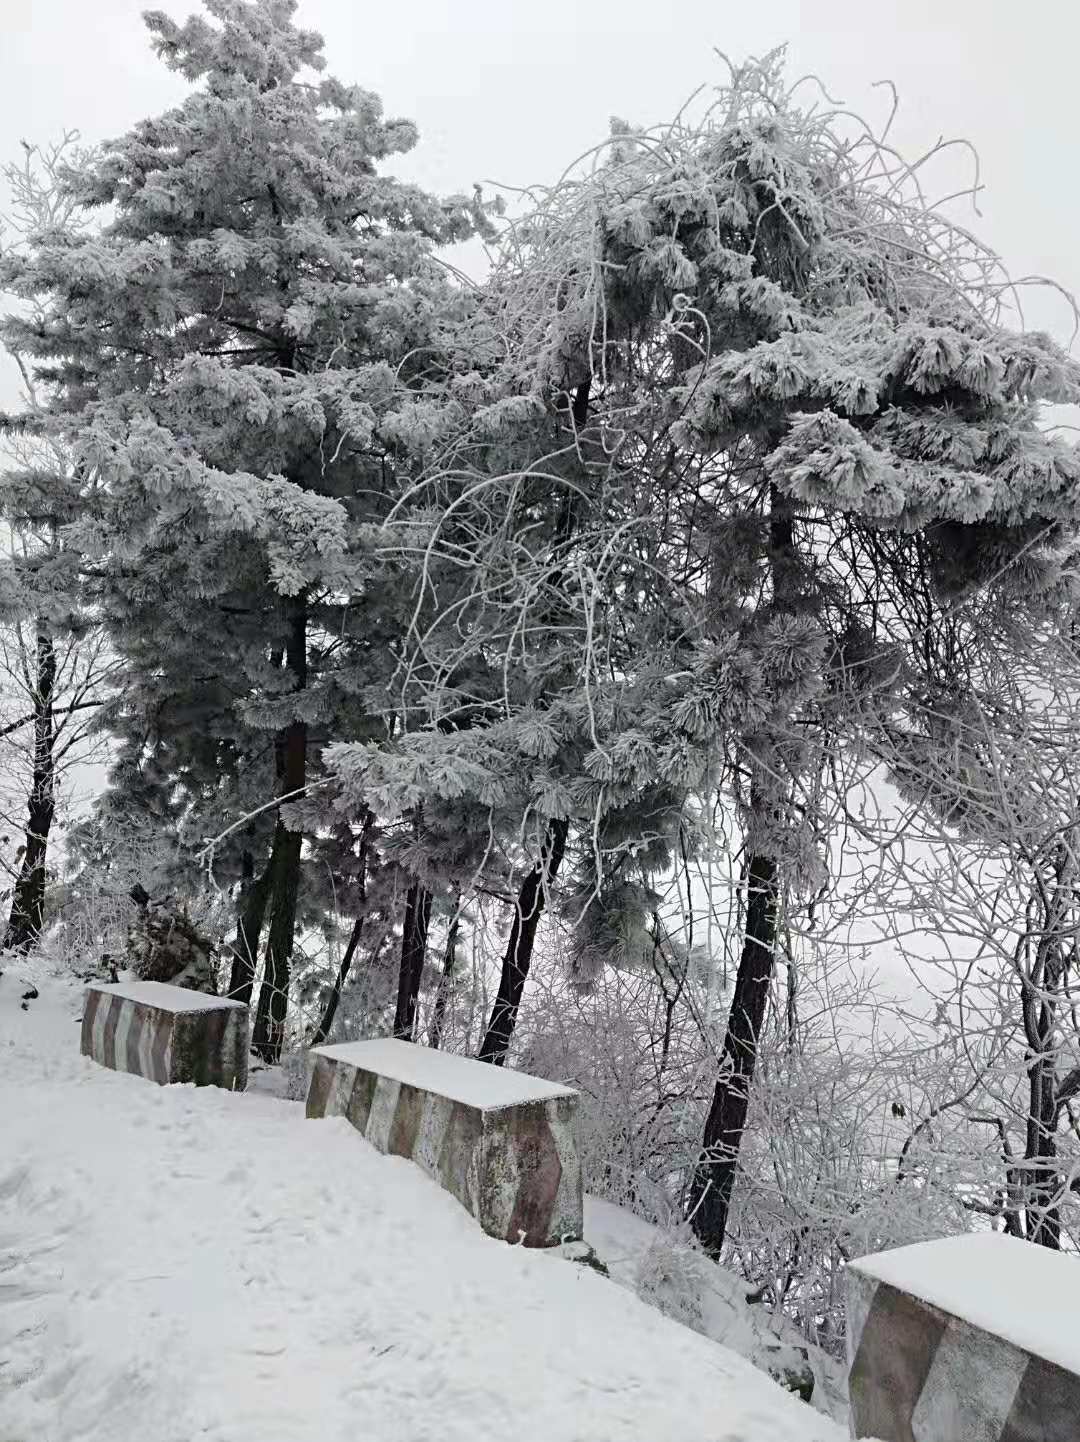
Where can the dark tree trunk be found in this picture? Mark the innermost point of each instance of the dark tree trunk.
(1042, 1181)
(270, 1014)
(519, 947)
(713, 1182)
(245, 952)
(714, 1177)
(27, 915)
(1043, 1200)
(446, 983)
(533, 894)
(1042, 990)
(413, 951)
(322, 1031)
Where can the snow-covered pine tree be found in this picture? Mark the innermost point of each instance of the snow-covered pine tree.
(809, 407)
(225, 352)
(856, 382)
(502, 754)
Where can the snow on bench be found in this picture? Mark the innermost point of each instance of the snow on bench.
(970, 1339)
(503, 1143)
(167, 1034)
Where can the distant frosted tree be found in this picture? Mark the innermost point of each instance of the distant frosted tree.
(54, 662)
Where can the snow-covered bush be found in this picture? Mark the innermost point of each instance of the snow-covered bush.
(295, 1075)
(642, 1083)
(165, 945)
(669, 1278)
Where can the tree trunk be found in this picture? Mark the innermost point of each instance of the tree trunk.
(270, 1014)
(322, 1031)
(446, 982)
(1041, 991)
(249, 925)
(714, 1177)
(27, 915)
(1043, 1200)
(413, 952)
(1042, 1182)
(713, 1182)
(533, 894)
(519, 947)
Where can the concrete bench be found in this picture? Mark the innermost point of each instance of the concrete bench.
(503, 1143)
(167, 1034)
(971, 1339)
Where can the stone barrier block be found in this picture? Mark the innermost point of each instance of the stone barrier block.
(503, 1143)
(970, 1339)
(167, 1034)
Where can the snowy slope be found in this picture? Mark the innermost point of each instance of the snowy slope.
(666, 1273)
(181, 1264)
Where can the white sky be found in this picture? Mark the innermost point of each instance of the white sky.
(509, 91)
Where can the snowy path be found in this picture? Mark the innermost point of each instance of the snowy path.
(179, 1265)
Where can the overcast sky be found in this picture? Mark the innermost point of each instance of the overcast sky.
(509, 91)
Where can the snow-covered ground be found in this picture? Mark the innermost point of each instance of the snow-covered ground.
(183, 1265)
(666, 1272)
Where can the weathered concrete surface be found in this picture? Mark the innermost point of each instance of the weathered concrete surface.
(503, 1143)
(953, 1356)
(167, 1034)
